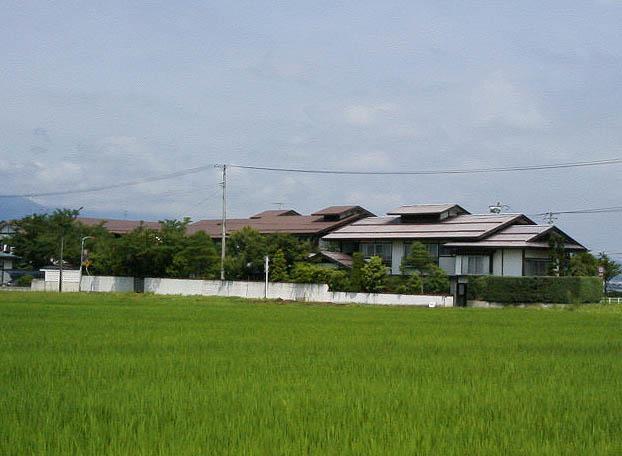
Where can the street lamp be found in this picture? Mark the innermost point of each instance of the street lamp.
(82, 258)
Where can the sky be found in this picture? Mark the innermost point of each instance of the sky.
(94, 93)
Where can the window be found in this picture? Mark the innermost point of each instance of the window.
(475, 264)
(536, 266)
(432, 249)
(381, 249)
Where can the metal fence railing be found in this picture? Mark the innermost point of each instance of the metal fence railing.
(612, 300)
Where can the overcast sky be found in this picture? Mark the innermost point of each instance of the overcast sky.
(96, 94)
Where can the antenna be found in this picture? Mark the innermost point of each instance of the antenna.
(498, 207)
(279, 204)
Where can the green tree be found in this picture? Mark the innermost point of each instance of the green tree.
(610, 267)
(558, 265)
(278, 267)
(195, 257)
(37, 238)
(418, 259)
(583, 264)
(436, 281)
(356, 274)
(248, 247)
(374, 274)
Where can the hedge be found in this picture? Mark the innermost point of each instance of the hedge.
(514, 290)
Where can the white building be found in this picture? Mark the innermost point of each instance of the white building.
(463, 244)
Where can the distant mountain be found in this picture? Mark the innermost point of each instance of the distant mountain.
(14, 208)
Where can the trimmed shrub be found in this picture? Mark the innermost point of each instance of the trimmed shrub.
(24, 281)
(336, 280)
(516, 290)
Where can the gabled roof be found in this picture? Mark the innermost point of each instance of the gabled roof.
(118, 226)
(341, 210)
(275, 213)
(521, 236)
(339, 258)
(471, 227)
(426, 209)
(272, 223)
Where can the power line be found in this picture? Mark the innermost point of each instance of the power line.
(99, 188)
(610, 161)
(198, 169)
(600, 210)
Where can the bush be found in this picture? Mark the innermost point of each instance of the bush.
(311, 273)
(374, 275)
(437, 281)
(515, 290)
(24, 281)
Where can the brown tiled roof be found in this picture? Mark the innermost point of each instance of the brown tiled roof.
(340, 258)
(521, 236)
(118, 226)
(459, 227)
(426, 209)
(338, 210)
(275, 213)
(303, 225)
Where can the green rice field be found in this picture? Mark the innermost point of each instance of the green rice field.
(141, 374)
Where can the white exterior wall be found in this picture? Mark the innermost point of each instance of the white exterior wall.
(397, 253)
(107, 283)
(69, 275)
(253, 290)
(512, 262)
(287, 291)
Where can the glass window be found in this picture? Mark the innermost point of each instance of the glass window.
(432, 249)
(382, 249)
(475, 264)
(536, 266)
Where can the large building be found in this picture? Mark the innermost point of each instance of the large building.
(311, 227)
(463, 244)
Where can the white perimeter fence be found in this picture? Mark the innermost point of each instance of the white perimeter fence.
(253, 290)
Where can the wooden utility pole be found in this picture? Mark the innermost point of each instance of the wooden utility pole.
(223, 222)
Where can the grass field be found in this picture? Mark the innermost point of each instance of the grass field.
(135, 374)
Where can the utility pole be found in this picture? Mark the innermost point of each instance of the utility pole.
(224, 222)
(550, 218)
(60, 263)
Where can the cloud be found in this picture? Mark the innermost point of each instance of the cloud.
(498, 101)
(363, 115)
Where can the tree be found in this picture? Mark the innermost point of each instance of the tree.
(436, 281)
(583, 264)
(195, 257)
(278, 267)
(249, 247)
(418, 259)
(558, 265)
(610, 267)
(356, 274)
(374, 274)
(38, 236)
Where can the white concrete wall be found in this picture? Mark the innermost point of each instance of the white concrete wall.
(46, 285)
(107, 283)
(287, 291)
(89, 283)
(512, 262)
(69, 275)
